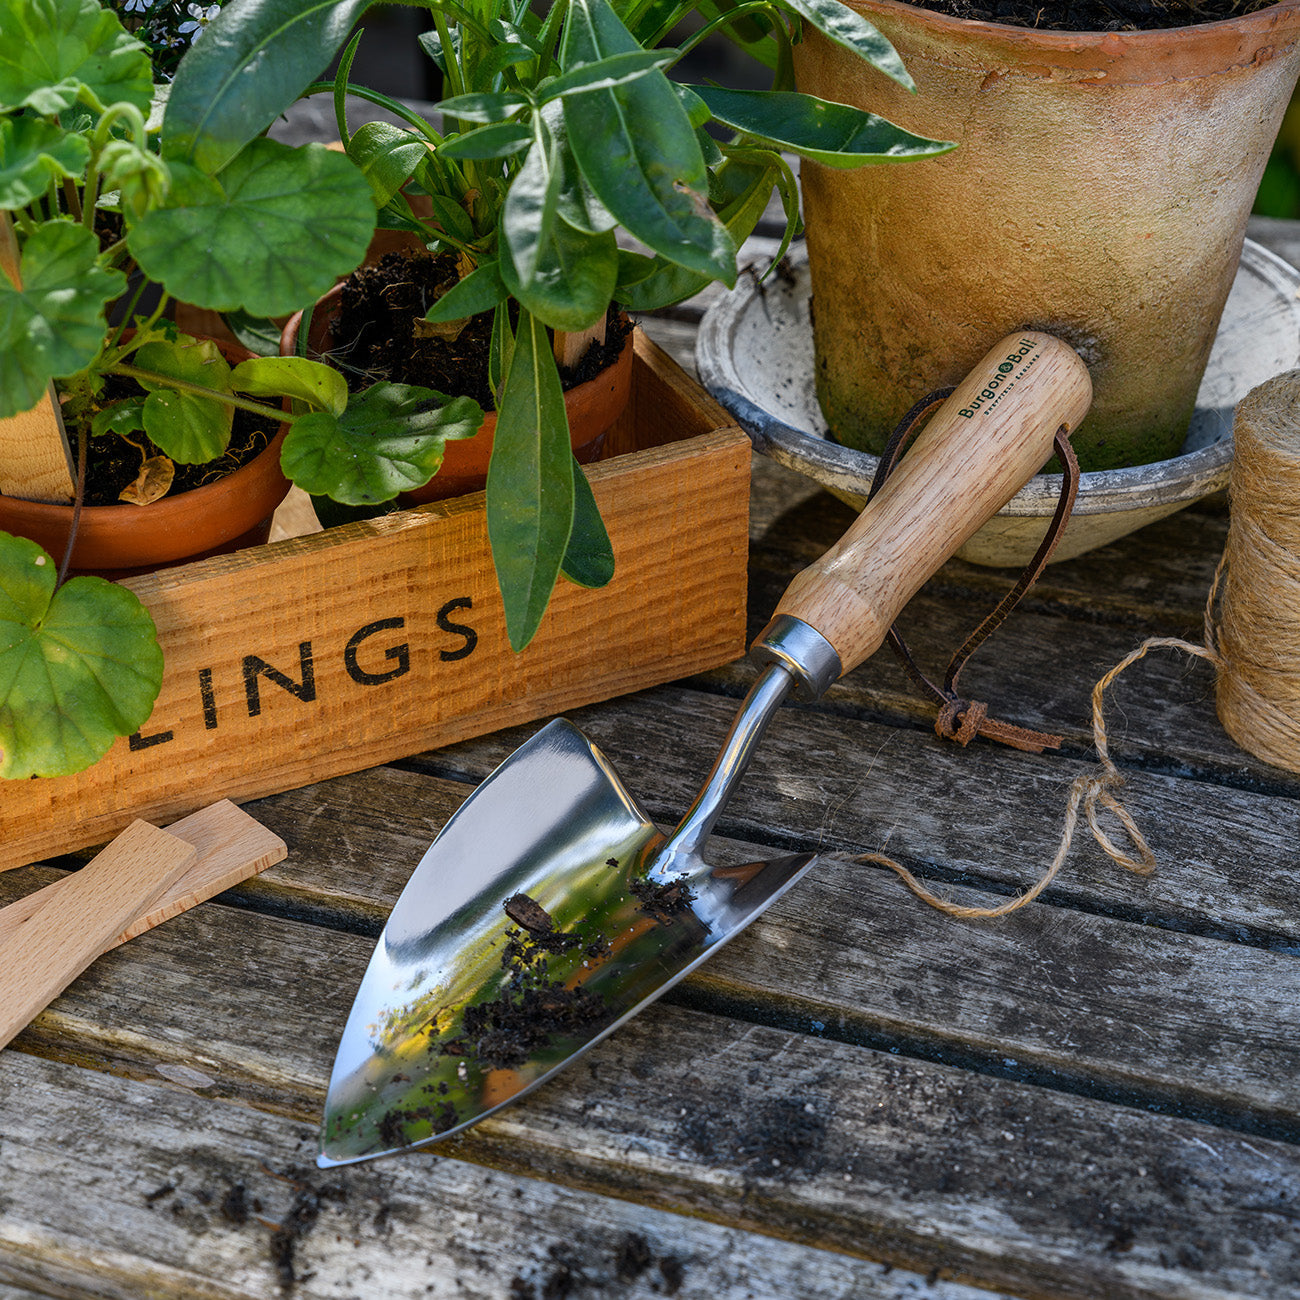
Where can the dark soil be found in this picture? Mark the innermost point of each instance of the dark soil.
(113, 464)
(662, 901)
(532, 1009)
(1095, 15)
(380, 334)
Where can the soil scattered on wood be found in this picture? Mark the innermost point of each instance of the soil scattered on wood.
(380, 332)
(1095, 15)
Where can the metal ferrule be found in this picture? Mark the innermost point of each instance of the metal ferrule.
(807, 655)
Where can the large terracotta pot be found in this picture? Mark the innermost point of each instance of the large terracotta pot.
(592, 408)
(1099, 191)
(226, 515)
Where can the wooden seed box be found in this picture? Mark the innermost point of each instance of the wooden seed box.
(315, 656)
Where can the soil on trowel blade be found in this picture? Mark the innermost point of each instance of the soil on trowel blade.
(380, 332)
(1095, 15)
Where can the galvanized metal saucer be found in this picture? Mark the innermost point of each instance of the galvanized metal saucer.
(754, 353)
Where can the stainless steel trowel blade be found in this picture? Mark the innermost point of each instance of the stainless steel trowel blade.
(534, 925)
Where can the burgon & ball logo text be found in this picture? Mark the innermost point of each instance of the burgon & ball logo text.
(988, 395)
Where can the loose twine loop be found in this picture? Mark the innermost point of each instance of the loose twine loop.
(1253, 643)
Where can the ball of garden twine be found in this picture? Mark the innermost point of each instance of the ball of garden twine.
(1258, 630)
(1253, 643)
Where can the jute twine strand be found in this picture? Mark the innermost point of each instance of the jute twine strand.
(1089, 792)
(1254, 645)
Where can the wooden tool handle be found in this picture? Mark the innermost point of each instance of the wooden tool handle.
(980, 448)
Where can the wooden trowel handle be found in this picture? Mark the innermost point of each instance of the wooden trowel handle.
(980, 448)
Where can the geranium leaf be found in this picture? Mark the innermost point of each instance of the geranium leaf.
(32, 151)
(277, 231)
(389, 440)
(54, 325)
(297, 377)
(79, 666)
(188, 427)
(55, 52)
(530, 483)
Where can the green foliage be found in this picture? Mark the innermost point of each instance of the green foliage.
(562, 127)
(79, 665)
(224, 220)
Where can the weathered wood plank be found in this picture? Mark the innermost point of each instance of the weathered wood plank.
(171, 1195)
(986, 813)
(1036, 1192)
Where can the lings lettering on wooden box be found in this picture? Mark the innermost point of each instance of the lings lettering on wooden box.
(308, 658)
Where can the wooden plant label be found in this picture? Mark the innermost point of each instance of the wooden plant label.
(290, 663)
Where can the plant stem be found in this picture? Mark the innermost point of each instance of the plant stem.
(198, 390)
(83, 453)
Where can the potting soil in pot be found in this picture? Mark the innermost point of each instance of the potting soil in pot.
(1094, 15)
(380, 333)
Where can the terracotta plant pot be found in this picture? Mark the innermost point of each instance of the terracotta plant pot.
(592, 408)
(1099, 191)
(118, 540)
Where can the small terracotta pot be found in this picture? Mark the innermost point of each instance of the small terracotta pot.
(592, 408)
(1099, 191)
(119, 540)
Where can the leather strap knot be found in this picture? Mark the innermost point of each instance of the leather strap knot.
(960, 720)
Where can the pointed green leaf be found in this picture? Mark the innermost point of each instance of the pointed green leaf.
(79, 666)
(277, 231)
(32, 151)
(834, 135)
(638, 151)
(389, 440)
(605, 74)
(479, 291)
(589, 557)
(574, 275)
(491, 107)
(847, 28)
(530, 483)
(188, 427)
(498, 140)
(223, 97)
(56, 52)
(54, 325)
(501, 348)
(321, 386)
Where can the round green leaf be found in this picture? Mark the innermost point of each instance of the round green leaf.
(79, 666)
(188, 427)
(32, 151)
(296, 377)
(272, 234)
(57, 51)
(387, 156)
(389, 440)
(54, 325)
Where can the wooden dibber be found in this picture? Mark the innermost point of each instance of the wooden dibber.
(36, 461)
(145, 877)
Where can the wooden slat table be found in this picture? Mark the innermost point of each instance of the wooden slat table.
(1098, 1096)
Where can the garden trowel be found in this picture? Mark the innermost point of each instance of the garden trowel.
(550, 908)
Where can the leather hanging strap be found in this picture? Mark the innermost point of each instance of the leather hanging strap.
(961, 719)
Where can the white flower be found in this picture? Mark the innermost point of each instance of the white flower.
(138, 6)
(200, 17)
